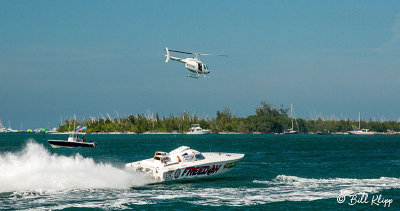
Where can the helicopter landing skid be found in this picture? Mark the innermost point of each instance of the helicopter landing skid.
(196, 76)
(192, 76)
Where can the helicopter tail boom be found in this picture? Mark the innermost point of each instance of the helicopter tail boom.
(168, 56)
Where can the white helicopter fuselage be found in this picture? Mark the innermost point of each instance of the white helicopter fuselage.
(194, 65)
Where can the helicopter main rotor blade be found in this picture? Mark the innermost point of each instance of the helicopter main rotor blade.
(206, 54)
(181, 52)
(198, 54)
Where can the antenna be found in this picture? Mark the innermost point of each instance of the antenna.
(69, 122)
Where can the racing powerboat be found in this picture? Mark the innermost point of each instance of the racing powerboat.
(185, 163)
(73, 141)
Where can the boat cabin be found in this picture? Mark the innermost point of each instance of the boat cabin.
(74, 137)
(195, 128)
(181, 154)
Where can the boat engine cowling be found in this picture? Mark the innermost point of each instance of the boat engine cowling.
(161, 153)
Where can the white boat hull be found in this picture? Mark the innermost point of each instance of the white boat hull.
(198, 132)
(189, 170)
(360, 133)
(199, 171)
(70, 144)
(291, 132)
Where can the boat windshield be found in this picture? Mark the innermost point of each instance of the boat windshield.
(187, 157)
(199, 156)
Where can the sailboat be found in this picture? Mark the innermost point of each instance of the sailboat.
(291, 130)
(360, 131)
(2, 129)
(9, 129)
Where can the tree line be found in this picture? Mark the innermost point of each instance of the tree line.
(267, 119)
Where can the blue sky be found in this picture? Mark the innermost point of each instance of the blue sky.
(329, 58)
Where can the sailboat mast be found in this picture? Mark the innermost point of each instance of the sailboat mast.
(291, 114)
(359, 120)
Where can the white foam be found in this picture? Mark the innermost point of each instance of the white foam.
(35, 168)
(292, 188)
(281, 188)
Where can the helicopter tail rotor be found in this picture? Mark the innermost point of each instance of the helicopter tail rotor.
(167, 55)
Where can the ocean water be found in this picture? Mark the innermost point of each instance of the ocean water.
(278, 172)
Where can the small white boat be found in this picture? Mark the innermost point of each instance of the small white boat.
(291, 130)
(73, 141)
(360, 131)
(9, 129)
(391, 132)
(185, 163)
(2, 129)
(196, 129)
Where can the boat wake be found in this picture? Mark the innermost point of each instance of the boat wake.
(292, 188)
(34, 168)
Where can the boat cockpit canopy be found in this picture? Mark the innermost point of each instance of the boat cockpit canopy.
(192, 155)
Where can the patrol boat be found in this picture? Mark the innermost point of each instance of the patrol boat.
(185, 163)
(73, 141)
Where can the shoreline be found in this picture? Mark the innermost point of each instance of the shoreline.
(179, 133)
(148, 133)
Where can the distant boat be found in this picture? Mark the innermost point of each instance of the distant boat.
(391, 132)
(73, 141)
(2, 129)
(323, 133)
(196, 129)
(360, 131)
(54, 130)
(291, 130)
(9, 129)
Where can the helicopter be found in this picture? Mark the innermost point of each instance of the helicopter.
(196, 67)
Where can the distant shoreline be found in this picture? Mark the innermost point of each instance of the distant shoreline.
(150, 133)
(179, 133)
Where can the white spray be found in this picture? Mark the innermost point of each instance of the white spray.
(35, 168)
